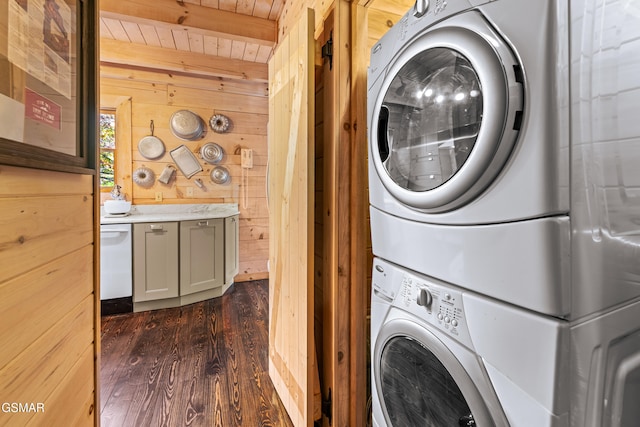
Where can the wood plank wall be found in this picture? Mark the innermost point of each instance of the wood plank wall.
(47, 346)
(156, 96)
(318, 265)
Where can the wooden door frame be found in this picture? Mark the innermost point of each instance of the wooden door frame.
(359, 206)
(346, 207)
(337, 259)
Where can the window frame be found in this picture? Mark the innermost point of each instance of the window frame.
(103, 188)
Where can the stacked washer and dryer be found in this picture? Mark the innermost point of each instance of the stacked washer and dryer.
(504, 173)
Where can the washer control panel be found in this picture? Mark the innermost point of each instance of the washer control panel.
(435, 304)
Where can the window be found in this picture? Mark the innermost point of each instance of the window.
(107, 149)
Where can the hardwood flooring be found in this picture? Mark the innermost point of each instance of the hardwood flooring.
(200, 365)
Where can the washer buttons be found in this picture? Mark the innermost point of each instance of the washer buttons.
(454, 323)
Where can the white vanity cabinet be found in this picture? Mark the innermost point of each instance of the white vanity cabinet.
(155, 261)
(201, 255)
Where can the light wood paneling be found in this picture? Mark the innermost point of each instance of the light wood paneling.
(218, 84)
(120, 52)
(337, 188)
(40, 286)
(47, 298)
(123, 151)
(319, 209)
(381, 16)
(291, 191)
(35, 374)
(232, 24)
(359, 229)
(66, 395)
(155, 95)
(40, 229)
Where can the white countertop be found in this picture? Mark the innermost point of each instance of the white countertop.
(168, 213)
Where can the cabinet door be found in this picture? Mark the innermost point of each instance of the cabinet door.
(231, 250)
(155, 261)
(201, 255)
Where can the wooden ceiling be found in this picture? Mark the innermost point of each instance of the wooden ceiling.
(232, 39)
(209, 37)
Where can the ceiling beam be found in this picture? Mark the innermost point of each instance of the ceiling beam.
(158, 58)
(175, 14)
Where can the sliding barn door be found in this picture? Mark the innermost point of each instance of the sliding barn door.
(291, 198)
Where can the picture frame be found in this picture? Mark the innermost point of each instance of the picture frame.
(49, 84)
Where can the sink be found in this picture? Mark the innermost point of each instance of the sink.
(117, 206)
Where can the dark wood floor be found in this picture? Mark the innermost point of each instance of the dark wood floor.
(200, 365)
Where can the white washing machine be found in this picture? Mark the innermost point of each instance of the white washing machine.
(443, 356)
(481, 170)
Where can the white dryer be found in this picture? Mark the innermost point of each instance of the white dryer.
(468, 148)
(443, 356)
(488, 172)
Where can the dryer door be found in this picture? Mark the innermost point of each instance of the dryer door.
(447, 115)
(421, 383)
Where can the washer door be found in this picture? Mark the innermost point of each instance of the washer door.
(421, 383)
(448, 115)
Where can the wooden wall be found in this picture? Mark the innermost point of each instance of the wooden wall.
(319, 209)
(382, 15)
(145, 95)
(47, 346)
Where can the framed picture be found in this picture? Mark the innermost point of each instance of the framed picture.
(48, 84)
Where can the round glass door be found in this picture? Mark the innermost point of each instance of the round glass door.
(420, 382)
(447, 115)
(430, 118)
(417, 389)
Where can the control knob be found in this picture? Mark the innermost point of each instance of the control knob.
(420, 8)
(424, 298)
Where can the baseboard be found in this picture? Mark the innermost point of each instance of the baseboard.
(116, 306)
(251, 276)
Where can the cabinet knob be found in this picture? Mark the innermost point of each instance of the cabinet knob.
(156, 227)
(203, 223)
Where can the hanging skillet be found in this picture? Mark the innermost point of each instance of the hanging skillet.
(186, 125)
(151, 147)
